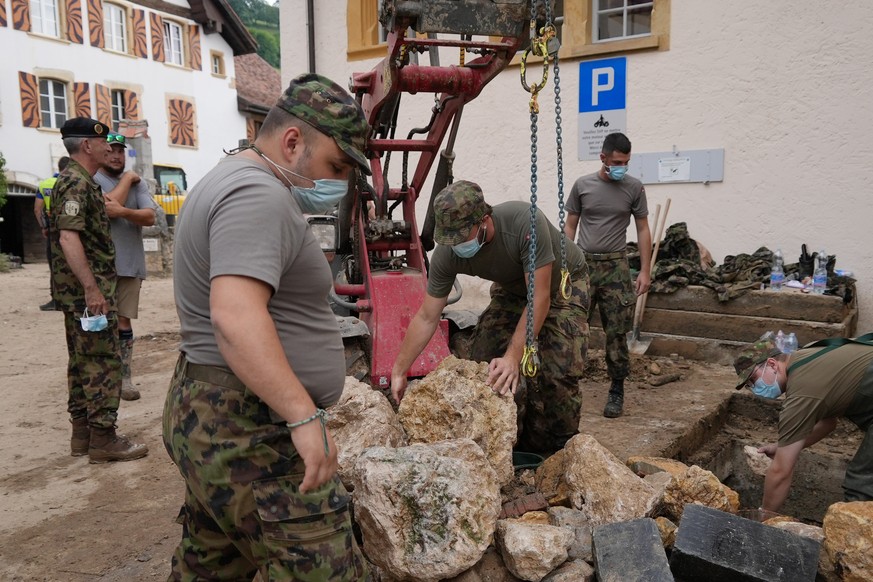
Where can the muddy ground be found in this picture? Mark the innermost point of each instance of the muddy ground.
(66, 520)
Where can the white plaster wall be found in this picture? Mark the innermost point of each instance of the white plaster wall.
(785, 91)
(219, 123)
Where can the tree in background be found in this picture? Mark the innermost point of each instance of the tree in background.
(268, 46)
(262, 21)
(3, 186)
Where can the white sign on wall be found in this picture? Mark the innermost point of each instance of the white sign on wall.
(602, 103)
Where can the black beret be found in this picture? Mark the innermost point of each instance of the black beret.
(84, 127)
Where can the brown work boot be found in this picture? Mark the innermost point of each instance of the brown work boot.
(128, 392)
(107, 446)
(81, 436)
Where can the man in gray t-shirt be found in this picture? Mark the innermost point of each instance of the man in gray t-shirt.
(129, 207)
(262, 355)
(602, 205)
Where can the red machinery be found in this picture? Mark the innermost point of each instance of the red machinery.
(384, 274)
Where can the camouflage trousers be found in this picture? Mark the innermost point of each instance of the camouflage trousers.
(93, 371)
(549, 404)
(243, 511)
(612, 292)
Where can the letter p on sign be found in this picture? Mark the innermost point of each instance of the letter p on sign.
(602, 79)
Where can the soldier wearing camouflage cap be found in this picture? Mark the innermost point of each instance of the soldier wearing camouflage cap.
(822, 382)
(493, 244)
(84, 278)
(262, 355)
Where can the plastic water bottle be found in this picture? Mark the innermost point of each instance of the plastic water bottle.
(789, 344)
(780, 341)
(820, 276)
(777, 275)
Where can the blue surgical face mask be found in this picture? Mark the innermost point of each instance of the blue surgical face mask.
(468, 249)
(93, 322)
(764, 389)
(616, 172)
(320, 198)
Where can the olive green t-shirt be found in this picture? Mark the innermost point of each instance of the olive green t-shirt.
(504, 259)
(605, 209)
(821, 388)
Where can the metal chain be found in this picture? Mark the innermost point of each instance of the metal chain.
(565, 272)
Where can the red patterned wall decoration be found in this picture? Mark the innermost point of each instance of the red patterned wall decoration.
(131, 105)
(103, 97)
(3, 13)
(82, 99)
(157, 25)
(74, 21)
(183, 130)
(29, 87)
(140, 40)
(95, 22)
(194, 45)
(20, 15)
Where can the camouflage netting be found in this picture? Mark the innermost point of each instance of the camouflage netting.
(681, 262)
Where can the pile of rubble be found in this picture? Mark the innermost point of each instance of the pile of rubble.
(435, 498)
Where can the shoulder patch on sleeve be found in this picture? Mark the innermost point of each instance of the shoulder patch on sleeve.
(71, 208)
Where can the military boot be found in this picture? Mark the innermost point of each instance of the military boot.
(128, 392)
(107, 446)
(81, 436)
(615, 402)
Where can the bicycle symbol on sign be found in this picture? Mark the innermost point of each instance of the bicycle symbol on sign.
(601, 122)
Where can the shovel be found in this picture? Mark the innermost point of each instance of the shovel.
(636, 344)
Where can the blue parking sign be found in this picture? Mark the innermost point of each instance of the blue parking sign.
(603, 85)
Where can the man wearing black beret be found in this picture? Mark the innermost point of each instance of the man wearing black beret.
(83, 273)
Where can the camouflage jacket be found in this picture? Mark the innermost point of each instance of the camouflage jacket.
(77, 204)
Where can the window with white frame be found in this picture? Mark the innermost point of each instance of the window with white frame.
(173, 48)
(217, 64)
(115, 27)
(117, 107)
(52, 103)
(44, 17)
(620, 19)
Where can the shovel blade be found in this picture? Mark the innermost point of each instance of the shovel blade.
(636, 344)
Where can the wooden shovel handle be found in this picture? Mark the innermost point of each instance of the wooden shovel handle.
(658, 236)
(637, 314)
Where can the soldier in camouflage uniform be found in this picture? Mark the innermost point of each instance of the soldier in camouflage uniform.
(83, 276)
(493, 243)
(262, 355)
(601, 205)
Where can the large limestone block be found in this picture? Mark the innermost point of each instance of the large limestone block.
(362, 418)
(531, 551)
(697, 486)
(603, 487)
(427, 512)
(848, 545)
(453, 402)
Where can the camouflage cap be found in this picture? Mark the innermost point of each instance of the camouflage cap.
(752, 355)
(457, 209)
(84, 127)
(331, 110)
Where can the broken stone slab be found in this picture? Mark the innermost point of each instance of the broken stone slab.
(667, 529)
(426, 512)
(573, 571)
(575, 521)
(489, 569)
(696, 486)
(659, 482)
(665, 379)
(520, 506)
(716, 546)
(848, 545)
(551, 482)
(644, 466)
(603, 487)
(362, 418)
(454, 402)
(806, 530)
(630, 550)
(531, 551)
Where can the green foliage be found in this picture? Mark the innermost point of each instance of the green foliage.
(268, 46)
(3, 187)
(5, 263)
(262, 21)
